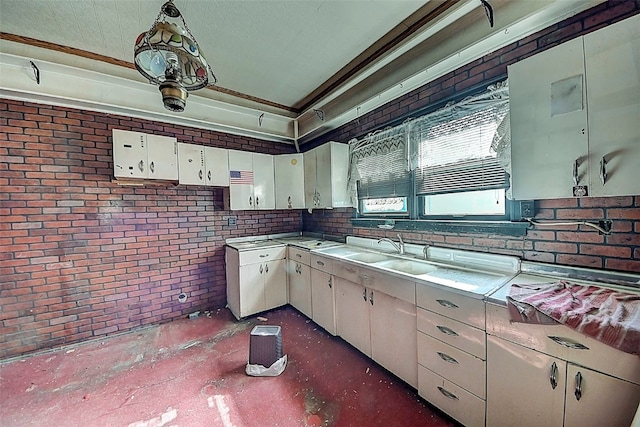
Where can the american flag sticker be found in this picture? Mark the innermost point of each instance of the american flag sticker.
(241, 177)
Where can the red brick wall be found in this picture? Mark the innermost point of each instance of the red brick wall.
(568, 245)
(83, 257)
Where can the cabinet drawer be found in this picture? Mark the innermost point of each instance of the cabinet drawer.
(597, 356)
(459, 307)
(468, 409)
(453, 364)
(321, 263)
(459, 335)
(298, 255)
(262, 255)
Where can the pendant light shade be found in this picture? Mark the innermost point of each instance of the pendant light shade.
(169, 56)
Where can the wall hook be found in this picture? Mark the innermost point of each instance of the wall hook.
(36, 71)
(488, 10)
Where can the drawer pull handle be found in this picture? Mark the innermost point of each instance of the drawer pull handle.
(264, 255)
(299, 256)
(350, 270)
(578, 391)
(365, 277)
(447, 394)
(319, 262)
(574, 345)
(447, 304)
(553, 376)
(448, 358)
(447, 331)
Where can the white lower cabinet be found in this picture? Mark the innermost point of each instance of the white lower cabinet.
(299, 275)
(524, 384)
(380, 326)
(256, 280)
(393, 338)
(352, 314)
(323, 293)
(452, 354)
(552, 375)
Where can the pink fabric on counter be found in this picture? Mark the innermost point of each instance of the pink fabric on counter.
(609, 316)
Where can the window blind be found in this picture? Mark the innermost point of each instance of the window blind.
(453, 147)
(379, 166)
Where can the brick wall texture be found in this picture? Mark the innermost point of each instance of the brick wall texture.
(569, 245)
(83, 257)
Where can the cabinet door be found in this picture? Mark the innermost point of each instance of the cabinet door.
(323, 176)
(300, 287)
(604, 400)
(519, 386)
(289, 181)
(129, 154)
(339, 175)
(309, 160)
(263, 185)
(323, 300)
(613, 84)
(191, 164)
(549, 123)
(241, 179)
(217, 166)
(162, 157)
(275, 283)
(394, 336)
(252, 289)
(352, 314)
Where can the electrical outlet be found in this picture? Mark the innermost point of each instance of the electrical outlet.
(521, 210)
(232, 220)
(527, 209)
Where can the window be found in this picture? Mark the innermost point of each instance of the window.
(442, 163)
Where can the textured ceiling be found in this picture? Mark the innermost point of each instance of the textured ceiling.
(273, 50)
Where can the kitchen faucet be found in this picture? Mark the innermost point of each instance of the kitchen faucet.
(398, 246)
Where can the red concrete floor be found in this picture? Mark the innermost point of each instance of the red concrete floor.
(191, 372)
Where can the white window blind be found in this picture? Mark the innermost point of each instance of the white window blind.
(379, 165)
(452, 146)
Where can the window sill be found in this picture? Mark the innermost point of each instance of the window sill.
(503, 228)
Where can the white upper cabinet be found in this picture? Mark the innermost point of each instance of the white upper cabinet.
(251, 181)
(325, 176)
(200, 165)
(575, 114)
(289, 181)
(612, 63)
(139, 155)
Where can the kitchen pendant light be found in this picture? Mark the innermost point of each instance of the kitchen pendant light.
(169, 56)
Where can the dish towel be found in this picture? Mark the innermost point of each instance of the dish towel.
(609, 316)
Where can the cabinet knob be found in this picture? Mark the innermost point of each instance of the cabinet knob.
(260, 269)
(371, 297)
(447, 331)
(447, 394)
(257, 201)
(603, 170)
(578, 391)
(141, 166)
(200, 174)
(152, 167)
(447, 304)
(330, 285)
(553, 376)
(209, 175)
(364, 294)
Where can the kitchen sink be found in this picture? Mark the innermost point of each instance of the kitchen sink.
(369, 257)
(415, 268)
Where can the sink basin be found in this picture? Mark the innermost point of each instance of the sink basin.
(407, 266)
(368, 257)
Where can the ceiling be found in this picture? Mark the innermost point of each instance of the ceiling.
(308, 64)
